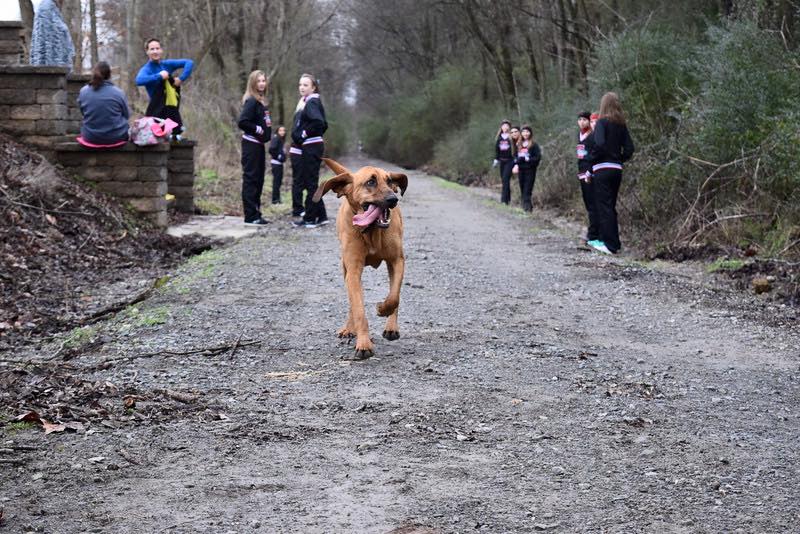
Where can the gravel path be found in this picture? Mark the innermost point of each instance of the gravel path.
(535, 387)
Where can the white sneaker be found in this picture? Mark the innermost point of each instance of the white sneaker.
(599, 246)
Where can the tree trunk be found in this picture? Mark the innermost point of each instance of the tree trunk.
(71, 13)
(134, 45)
(93, 30)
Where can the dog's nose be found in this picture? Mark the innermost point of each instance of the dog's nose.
(391, 200)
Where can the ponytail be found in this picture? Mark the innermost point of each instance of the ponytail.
(100, 73)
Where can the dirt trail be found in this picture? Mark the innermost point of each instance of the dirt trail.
(535, 387)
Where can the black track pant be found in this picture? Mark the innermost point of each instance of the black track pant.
(309, 171)
(527, 177)
(505, 178)
(587, 191)
(277, 181)
(605, 184)
(297, 185)
(253, 168)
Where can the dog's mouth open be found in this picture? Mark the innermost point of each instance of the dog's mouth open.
(380, 216)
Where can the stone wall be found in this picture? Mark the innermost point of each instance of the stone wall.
(136, 175)
(11, 43)
(180, 175)
(34, 106)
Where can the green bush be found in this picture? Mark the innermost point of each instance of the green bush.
(406, 129)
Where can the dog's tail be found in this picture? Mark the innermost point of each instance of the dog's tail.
(335, 166)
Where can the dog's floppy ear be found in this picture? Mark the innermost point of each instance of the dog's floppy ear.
(338, 183)
(401, 180)
(335, 166)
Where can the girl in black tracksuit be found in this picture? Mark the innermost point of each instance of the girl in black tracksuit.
(527, 161)
(277, 156)
(307, 130)
(255, 122)
(613, 146)
(583, 151)
(504, 157)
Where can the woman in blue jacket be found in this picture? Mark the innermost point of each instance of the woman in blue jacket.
(105, 110)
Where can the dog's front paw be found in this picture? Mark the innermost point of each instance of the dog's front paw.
(391, 335)
(364, 349)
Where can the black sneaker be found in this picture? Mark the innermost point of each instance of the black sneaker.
(298, 223)
(257, 222)
(323, 222)
(310, 225)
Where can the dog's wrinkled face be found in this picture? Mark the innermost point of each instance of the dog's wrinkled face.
(374, 194)
(370, 191)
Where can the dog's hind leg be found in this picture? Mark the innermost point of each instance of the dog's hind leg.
(388, 308)
(347, 331)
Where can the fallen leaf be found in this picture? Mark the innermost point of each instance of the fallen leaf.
(516, 402)
(49, 428)
(29, 417)
(50, 219)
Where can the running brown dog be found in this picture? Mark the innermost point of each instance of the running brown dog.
(370, 228)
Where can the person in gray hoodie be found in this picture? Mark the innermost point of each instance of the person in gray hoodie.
(51, 42)
(105, 109)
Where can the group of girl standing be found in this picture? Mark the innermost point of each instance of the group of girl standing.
(517, 153)
(604, 144)
(307, 147)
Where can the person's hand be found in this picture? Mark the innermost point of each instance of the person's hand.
(176, 81)
(494, 163)
(515, 169)
(164, 74)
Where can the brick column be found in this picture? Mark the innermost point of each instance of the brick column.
(180, 178)
(12, 38)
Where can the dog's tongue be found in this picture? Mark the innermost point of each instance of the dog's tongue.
(368, 217)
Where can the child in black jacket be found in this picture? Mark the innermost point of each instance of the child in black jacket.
(526, 162)
(255, 122)
(307, 130)
(277, 155)
(504, 157)
(612, 147)
(583, 151)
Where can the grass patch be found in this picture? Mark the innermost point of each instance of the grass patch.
(206, 178)
(208, 207)
(725, 264)
(143, 318)
(197, 268)
(80, 336)
(447, 184)
(18, 426)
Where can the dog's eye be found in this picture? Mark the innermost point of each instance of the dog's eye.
(372, 182)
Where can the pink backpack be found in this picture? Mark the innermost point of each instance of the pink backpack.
(151, 130)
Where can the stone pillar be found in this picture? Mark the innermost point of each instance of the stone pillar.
(75, 83)
(33, 104)
(12, 39)
(136, 175)
(180, 177)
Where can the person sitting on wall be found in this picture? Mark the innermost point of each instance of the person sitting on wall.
(105, 111)
(51, 42)
(162, 86)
